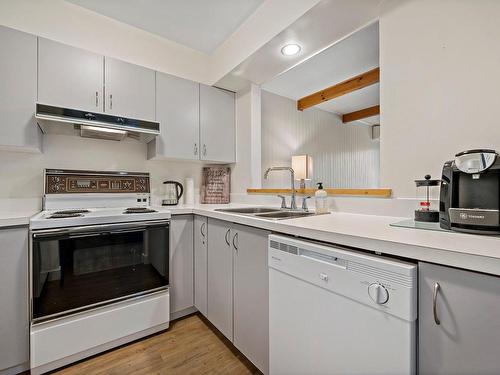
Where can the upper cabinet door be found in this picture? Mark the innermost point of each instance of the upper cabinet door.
(177, 110)
(18, 130)
(217, 125)
(130, 90)
(69, 77)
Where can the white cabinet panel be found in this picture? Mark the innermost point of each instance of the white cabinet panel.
(220, 277)
(217, 125)
(69, 77)
(181, 263)
(200, 263)
(467, 307)
(18, 129)
(14, 323)
(177, 111)
(251, 294)
(130, 90)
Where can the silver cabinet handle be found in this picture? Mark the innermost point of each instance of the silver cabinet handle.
(196, 148)
(235, 241)
(227, 237)
(202, 229)
(204, 150)
(110, 101)
(97, 98)
(434, 298)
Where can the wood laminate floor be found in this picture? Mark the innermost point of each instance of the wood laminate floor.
(190, 346)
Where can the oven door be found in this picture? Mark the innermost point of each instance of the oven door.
(79, 268)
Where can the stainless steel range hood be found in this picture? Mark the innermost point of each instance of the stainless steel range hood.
(94, 125)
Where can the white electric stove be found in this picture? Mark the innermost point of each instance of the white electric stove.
(99, 266)
(70, 217)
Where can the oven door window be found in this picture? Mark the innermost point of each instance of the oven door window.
(74, 272)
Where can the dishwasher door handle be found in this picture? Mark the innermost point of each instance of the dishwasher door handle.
(329, 259)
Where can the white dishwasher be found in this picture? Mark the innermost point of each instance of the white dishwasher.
(338, 311)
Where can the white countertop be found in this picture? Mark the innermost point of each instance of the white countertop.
(368, 232)
(374, 233)
(12, 219)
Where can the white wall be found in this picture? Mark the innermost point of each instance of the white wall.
(246, 172)
(344, 155)
(68, 23)
(21, 174)
(439, 85)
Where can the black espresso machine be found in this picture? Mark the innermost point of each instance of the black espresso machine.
(470, 193)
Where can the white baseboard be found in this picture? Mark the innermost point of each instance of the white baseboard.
(182, 313)
(15, 369)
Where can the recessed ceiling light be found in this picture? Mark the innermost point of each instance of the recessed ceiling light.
(290, 49)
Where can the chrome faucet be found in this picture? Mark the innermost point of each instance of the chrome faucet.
(293, 202)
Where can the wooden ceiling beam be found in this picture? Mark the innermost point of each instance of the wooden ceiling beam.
(342, 88)
(361, 114)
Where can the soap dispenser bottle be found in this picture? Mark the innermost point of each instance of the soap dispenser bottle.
(321, 199)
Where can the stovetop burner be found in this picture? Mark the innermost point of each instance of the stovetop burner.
(138, 210)
(60, 215)
(70, 212)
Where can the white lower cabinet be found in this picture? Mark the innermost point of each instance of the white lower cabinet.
(238, 287)
(459, 321)
(14, 320)
(251, 295)
(220, 277)
(200, 263)
(181, 263)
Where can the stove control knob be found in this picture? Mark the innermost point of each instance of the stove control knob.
(56, 187)
(378, 293)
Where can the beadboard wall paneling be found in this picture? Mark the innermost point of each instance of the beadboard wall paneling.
(344, 155)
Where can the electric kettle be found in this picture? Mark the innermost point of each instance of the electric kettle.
(173, 192)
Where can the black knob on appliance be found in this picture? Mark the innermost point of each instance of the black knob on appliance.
(427, 176)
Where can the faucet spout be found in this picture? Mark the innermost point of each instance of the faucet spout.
(293, 203)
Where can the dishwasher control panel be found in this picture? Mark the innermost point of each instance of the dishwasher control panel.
(380, 282)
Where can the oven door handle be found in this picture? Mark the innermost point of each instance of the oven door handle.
(121, 231)
(96, 229)
(83, 235)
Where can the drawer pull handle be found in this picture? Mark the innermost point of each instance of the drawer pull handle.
(434, 300)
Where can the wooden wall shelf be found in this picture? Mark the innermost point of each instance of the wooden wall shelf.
(375, 193)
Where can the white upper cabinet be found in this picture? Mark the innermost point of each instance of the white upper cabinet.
(69, 77)
(18, 129)
(177, 111)
(130, 90)
(217, 125)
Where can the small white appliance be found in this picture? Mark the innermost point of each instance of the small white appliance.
(99, 266)
(339, 311)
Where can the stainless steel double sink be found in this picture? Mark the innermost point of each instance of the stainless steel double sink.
(267, 212)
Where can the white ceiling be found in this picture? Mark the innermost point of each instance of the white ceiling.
(322, 26)
(199, 24)
(354, 55)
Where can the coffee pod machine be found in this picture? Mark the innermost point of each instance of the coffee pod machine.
(470, 193)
